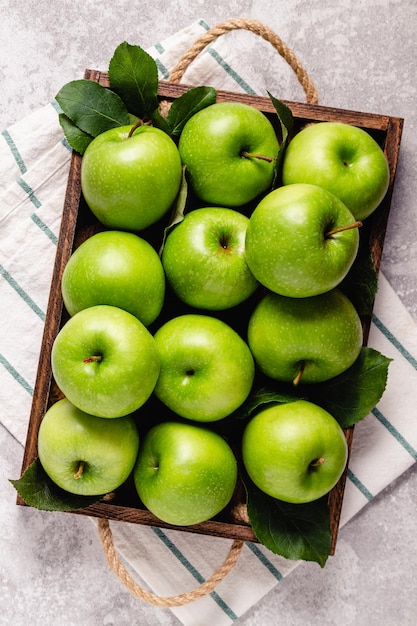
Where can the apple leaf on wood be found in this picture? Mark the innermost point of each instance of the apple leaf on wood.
(294, 531)
(133, 75)
(187, 105)
(286, 121)
(350, 396)
(39, 492)
(77, 138)
(92, 107)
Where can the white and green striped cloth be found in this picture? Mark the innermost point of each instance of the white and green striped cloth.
(34, 164)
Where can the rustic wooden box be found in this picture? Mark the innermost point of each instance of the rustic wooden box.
(78, 224)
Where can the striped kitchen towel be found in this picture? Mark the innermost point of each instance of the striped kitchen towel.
(34, 164)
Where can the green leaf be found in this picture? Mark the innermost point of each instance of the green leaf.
(133, 119)
(161, 122)
(285, 115)
(178, 210)
(263, 396)
(133, 74)
(77, 139)
(187, 105)
(294, 531)
(350, 396)
(92, 107)
(286, 121)
(39, 492)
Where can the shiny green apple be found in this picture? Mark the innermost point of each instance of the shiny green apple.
(204, 259)
(301, 241)
(105, 361)
(229, 150)
(342, 158)
(116, 268)
(207, 369)
(85, 454)
(294, 452)
(130, 182)
(307, 340)
(185, 474)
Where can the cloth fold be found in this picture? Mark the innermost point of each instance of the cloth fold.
(34, 165)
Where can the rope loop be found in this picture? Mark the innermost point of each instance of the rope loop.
(135, 589)
(259, 29)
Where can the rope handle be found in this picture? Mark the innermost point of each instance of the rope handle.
(104, 530)
(135, 589)
(259, 29)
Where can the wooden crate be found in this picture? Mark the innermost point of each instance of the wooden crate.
(78, 224)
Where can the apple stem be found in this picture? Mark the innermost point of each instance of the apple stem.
(80, 470)
(134, 127)
(91, 359)
(254, 155)
(137, 125)
(297, 379)
(317, 462)
(342, 228)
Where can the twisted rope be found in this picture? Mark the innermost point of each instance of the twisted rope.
(135, 589)
(259, 29)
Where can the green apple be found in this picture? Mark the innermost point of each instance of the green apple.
(207, 369)
(130, 182)
(85, 454)
(294, 452)
(301, 241)
(105, 361)
(204, 259)
(306, 340)
(116, 268)
(229, 150)
(342, 158)
(185, 474)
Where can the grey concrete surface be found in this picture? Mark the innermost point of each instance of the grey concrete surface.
(362, 55)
